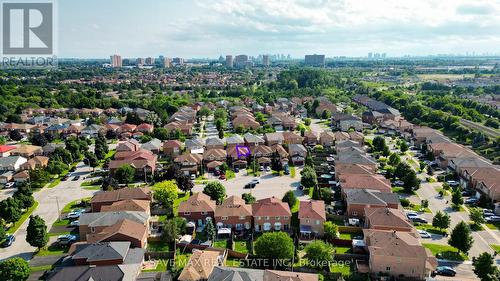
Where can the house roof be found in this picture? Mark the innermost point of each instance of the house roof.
(235, 139)
(236, 274)
(357, 169)
(296, 148)
(10, 161)
(274, 137)
(6, 148)
(275, 275)
(138, 159)
(172, 144)
(387, 217)
(373, 182)
(127, 205)
(270, 207)
(251, 138)
(143, 193)
(26, 149)
(89, 273)
(312, 209)
(214, 141)
(123, 227)
(101, 251)
(233, 206)
(154, 144)
(190, 143)
(110, 218)
(199, 202)
(370, 197)
(200, 265)
(189, 158)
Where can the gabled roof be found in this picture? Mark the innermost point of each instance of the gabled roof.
(373, 182)
(236, 274)
(388, 218)
(270, 207)
(172, 144)
(101, 251)
(6, 148)
(312, 209)
(89, 273)
(110, 218)
(275, 275)
(123, 227)
(199, 202)
(127, 205)
(189, 158)
(274, 137)
(370, 197)
(214, 141)
(200, 265)
(233, 206)
(235, 139)
(143, 193)
(251, 138)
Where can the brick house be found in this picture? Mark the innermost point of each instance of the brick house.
(271, 214)
(359, 199)
(108, 198)
(199, 208)
(122, 230)
(387, 219)
(233, 213)
(312, 216)
(172, 148)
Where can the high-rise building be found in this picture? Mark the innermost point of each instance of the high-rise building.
(241, 61)
(315, 60)
(229, 61)
(139, 62)
(370, 55)
(383, 55)
(265, 60)
(178, 61)
(116, 61)
(150, 61)
(166, 62)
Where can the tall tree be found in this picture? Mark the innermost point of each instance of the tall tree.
(274, 245)
(476, 216)
(36, 233)
(484, 267)
(289, 198)
(461, 237)
(319, 253)
(331, 230)
(14, 269)
(125, 174)
(165, 192)
(441, 220)
(216, 191)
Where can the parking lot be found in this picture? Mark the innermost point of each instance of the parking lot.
(269, 186)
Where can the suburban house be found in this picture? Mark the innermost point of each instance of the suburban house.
(5, 150)
(367, 181)
(271, 214)
(128, 205)
(387, 219)
(143, 161)
(92, 131)
(238, 156)
(90, 223)
(200, 265)
(120, 272)
(37, 162)
(234, 140)
(273, 138)
(154, 145)
(108, 198)
(359, 199)
(172, 148)
(233, 213)
(245, 121)
(189, 163)
(398, 254)
(128, 146)
(214, 143)
(311, 138)
(194, 145)
(199, 208)
(252, 140)
(123, 230)
(292, 138)
(240, 273)
(312, 217)
(12, 163)
(106, 253)
(298, 154)
(26, 150)
(485, 180)
(327, 139)
(355, 169)
(215, 154)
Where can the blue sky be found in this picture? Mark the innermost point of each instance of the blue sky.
(209, 28)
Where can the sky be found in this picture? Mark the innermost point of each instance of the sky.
(210, 28)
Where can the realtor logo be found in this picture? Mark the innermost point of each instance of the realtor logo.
(27, 34)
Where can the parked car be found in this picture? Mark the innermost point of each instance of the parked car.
(74, 214)
(268, 169)
(236, 169)
(411, 214)
(492, 219)
(216, 173)
(65, 239)
(193, 177)
(418, 219)
(301, 187)
(75, 223)
(286, 170)
(424, 234)
(249, 185)
(468, 192)
(65, 177)
(76, 178)
(255, 181)
(471, 201)
(488, 213)
(10, 185)
(445, 271)
(452, 183)
(72, 169)
(261, 168)
(398, 183)
(8, 240)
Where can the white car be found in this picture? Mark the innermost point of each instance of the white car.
(74, 223)
(452, 183)
(255, 181)
(424, 234)
(493, 219)
(268, 169)
(411, 214)
(10, 184)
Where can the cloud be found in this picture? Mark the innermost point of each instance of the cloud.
(474, 9)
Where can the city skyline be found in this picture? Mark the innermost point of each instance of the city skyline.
(195, 29)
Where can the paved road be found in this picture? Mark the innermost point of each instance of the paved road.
(65, 192)
(269, 185)
(481, 128)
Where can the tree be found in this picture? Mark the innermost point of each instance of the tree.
(308, 177)
(401, 170)
(15, 135)
(461, 237)
(38, 178)
(325, 114)
(10, 209)
(204, 111)
(91, 160)
(220, 134)
(484, 267)
(456, 197)
(185, 183)
(38, 139)
(210, 230)
(249, 198)
(309, 161)
(403, 146)
(56, 167)
(170, 231)
(125, 174)
(307, 121)
(3, 233)
(36, 233)
(441, 220)
(289, 198)
(14, 269)
(274, 245)
(378, 144)
(476, 216)
(63, 155)
(394, 159)
(319, 253)
(410, 181)
(331, 230)
(165, 192)
(216, 191)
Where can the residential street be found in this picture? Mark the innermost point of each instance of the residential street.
(64, 192)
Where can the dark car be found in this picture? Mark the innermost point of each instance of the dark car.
(249, 185)
(9, 240)
(236, 169)
(418, 219)
(65, 177)
(76, 178)
(72, 169)
(445, 271)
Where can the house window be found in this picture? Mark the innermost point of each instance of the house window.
(285, 218)
(277, 218)
(92, 229)
(224, 218)
(317, 221)
(267, 218)
(242, 217)
(277, 226)
(187, 213)
(354, 213)
(307, 221)
(388, 268)
(257, 218)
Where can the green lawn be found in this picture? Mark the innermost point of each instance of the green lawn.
(348, 236)
(92, 187)
(71, 205)
(52, 250)
(342, 268)
(292, 172)
(418, 208)
(23, 218)
(181, 259)
(54, 182)
(230, 174)
(445, 252)
(158, 246)
(40, 268)
(343, 250)
(495, 247)
(161, 267)
(431, 229)
(241, 246)
(63, 222)
(221, 244)
(493, 226)
(232, 262)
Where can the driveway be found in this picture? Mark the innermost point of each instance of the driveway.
(269, 186)
(48, 199)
